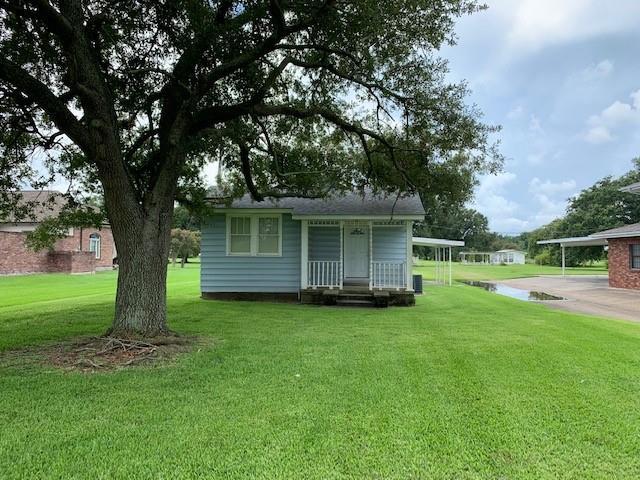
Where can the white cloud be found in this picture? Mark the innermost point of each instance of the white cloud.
(535, 24)
(515, 113)
(535, 158)
(616, 115)
(534, 125)
(598, 70)
(550, 188)
(598, 134)
(491, 200)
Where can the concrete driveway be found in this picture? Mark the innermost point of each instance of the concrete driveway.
(585, 294)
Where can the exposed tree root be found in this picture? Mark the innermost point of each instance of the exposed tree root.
(104, 353)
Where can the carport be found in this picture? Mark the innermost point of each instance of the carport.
(442, 248)
(573, 242)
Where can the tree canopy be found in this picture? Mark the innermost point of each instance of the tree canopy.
(132, 99)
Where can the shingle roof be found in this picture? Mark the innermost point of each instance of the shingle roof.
(633, 188)
(632, 230)
(345, 204)
(46, 204)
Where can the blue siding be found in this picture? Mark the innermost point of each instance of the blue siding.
(390, 244)
(222, 273)
(324, 243)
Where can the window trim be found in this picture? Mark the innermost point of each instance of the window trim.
(632, 256)
(95, 239)
(255, 234)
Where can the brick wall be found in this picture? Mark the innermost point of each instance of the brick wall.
(80, 242)
(70, 254)
(620, 273)
(16, 258)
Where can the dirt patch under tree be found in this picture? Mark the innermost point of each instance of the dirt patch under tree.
(93, 354)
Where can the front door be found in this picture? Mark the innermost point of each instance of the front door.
(356, 252)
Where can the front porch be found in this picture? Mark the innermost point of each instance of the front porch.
(355, 257)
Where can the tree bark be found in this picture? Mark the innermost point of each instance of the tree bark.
(141, 298)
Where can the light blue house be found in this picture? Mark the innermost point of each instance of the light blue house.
(344, 249)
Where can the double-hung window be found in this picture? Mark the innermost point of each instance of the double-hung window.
(268, 235)
(240, 236)
(634, 255)
(254, 235)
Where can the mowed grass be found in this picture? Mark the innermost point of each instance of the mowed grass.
(463, 271)
(467, 384)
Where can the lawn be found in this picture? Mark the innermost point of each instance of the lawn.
(467, 384)
(463, 271)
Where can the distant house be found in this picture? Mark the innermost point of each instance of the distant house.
(506, 257)
(82, 250)
(509, 257)
(623, 245)
(344, 249)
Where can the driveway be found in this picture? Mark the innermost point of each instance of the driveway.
(585, 294)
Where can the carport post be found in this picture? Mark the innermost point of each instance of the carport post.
(563, 259)
(450, 282)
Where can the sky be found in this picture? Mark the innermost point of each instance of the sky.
(562, 78)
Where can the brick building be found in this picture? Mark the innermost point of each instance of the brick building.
(624, 255)
(83, 250)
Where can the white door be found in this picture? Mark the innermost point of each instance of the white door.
(356, 252)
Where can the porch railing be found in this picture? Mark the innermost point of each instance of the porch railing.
(389, 275)
(324, 273)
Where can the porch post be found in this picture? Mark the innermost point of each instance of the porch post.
(370, 255)
(450, 268)
(563, 260)
(341, 269)
(304, 254)
(409, 260)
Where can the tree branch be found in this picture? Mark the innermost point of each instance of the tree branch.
(335, 119)
(39, 93)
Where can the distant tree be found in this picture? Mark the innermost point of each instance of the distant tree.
(184, 244)
(185, 218)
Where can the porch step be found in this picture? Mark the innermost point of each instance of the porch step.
(355, 298)
(355, 302)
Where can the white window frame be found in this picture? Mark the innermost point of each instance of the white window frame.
(255, 234)
(97, 241)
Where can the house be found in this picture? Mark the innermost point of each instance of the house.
(345, 248)
(82, 250)
(623, 245)
(507, 257)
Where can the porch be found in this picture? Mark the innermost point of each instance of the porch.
(356, 254)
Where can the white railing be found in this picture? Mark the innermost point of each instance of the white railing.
(389, 275)
(324, 273)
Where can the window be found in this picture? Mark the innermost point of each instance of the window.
(254, 235)
(634, 255)
(269, 235)
(94, 244)
(240, 235)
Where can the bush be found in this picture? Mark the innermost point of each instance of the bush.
(543, 258)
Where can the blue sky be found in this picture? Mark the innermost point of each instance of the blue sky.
(562, 77)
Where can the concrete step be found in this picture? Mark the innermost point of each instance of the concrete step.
(354, 302)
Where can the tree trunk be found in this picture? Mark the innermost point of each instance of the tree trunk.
(141, 298)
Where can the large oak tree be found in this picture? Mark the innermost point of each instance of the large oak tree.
(294, 97)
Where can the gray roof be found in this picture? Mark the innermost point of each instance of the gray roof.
(632, 230)
(42, 204)
(340, 204)
(633, 188)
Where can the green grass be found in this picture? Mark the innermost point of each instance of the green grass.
(467, 384)
(503, 272)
